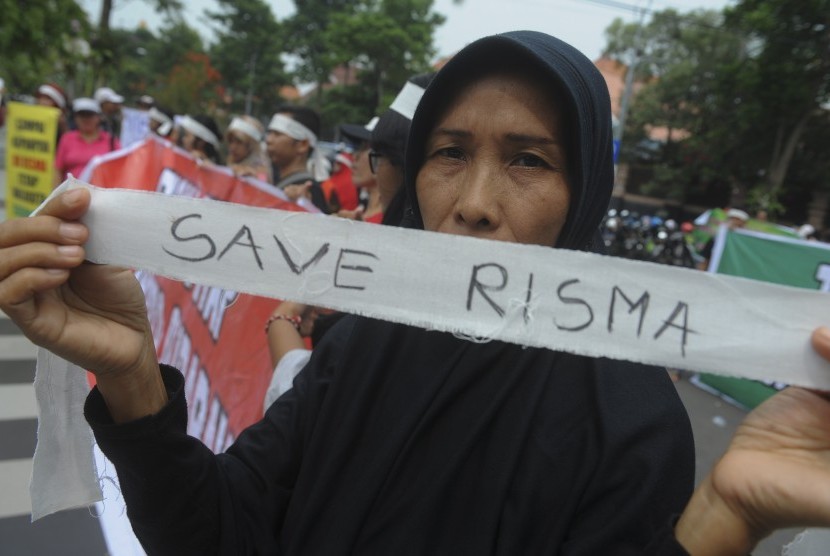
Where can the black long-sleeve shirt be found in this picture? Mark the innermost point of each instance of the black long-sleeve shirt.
(398, 441)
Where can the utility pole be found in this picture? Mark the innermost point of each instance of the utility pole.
(629, 86)
(251, 75)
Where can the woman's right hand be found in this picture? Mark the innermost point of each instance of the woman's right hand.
(91, 315)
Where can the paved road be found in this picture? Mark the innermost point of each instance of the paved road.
(70, 533)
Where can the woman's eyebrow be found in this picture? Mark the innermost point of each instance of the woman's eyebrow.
(459, 133)
(537, 139)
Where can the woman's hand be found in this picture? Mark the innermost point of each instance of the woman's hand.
(91, 315)
(297, 191)
(356, 214)
(775, 474)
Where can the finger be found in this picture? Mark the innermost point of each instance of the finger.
(17, 292)
(69, 205)
(821, 341)
(22, 231)
(39, 255)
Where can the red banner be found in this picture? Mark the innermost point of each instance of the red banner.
(215, 337)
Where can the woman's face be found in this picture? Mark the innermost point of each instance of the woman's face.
(362, 175)
(495, 165)
(389, 178)
(239, 147)
(87, 122)
(43, 100)
(188, 140)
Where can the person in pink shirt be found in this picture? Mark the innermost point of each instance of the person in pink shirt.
(76, 148)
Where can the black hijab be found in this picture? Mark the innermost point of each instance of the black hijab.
(582, 88)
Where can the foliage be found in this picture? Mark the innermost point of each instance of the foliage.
(144, 60)
(386, 40)
(248, 54)
(389, 39)
(193, 86)
(40, 40)
(744, 87)
(104, 43)
(306, 37)
(344, 103)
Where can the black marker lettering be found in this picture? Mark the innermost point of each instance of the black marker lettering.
(355, 268)
(642, 303)
(174, 229)
(573, 301)
(685, 327)
(244, 230)
(526, 308)
(300, 269)
(476, 285)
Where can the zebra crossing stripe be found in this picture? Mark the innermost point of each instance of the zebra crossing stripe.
(17, 401)
(15, 500)
(16, 348)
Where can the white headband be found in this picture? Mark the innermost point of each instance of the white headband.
(407, 100)
(54, 94)
(158, 116)
(292, 128)
(199, 130)
(249, 129)
(318, 165)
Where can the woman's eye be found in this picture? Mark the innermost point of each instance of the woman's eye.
(451, 152)
(530, 161)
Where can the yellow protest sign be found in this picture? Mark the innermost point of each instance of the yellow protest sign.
(30, 156)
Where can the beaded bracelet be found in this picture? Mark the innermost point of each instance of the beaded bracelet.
(295, 321)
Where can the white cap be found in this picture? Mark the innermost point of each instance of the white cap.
(105, 94)
(806, 231)
(737, 213)
(51, 92)
(84, 104)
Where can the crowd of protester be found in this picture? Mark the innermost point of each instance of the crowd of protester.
(355, 176)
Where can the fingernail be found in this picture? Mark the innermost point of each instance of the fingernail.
(72, 196)
(823, 333)
(70, 250)
(56, 271)
(71, 230)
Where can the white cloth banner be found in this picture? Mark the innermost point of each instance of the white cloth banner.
(530, 295)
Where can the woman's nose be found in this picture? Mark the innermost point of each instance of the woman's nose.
(476, 206)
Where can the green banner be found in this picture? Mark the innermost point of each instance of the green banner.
(769, 258)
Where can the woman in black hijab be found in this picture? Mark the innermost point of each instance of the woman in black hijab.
(428, 443)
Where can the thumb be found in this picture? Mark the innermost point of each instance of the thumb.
(821, 341)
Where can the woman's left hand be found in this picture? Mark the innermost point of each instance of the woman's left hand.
(775, 474)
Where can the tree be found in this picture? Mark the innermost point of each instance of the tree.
(193, 86)
(248, 54)
(104, 44)
(384, 41)
(681, 57)
(744, 87)
(789, 78)
(38, 41)
(388, 39)
(144, 60)
(306, 39)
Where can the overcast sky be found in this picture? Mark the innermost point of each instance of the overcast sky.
(579, 22)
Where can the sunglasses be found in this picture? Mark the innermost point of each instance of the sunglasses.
(374, 160)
